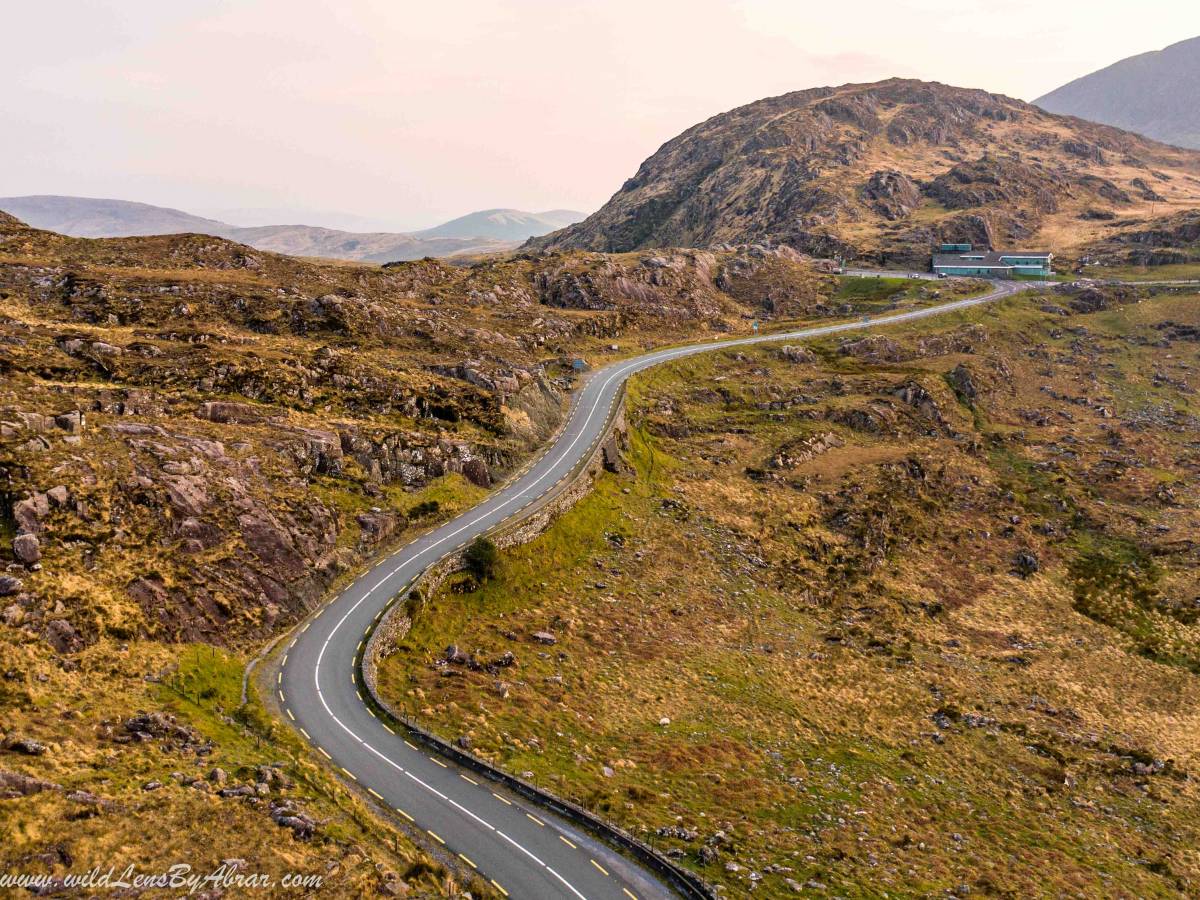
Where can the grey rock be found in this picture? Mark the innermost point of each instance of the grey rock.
(10, 585)
(27, 548)
(27, 746)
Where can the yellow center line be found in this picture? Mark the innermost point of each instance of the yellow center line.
(467, 861)
(567, 842)
(434, 836)
(533, 818)
(501, 799)
(600, 867)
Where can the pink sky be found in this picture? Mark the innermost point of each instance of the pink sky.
(407, 114)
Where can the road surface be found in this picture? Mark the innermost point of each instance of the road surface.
(522, 850)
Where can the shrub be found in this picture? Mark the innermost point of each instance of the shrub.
(481, 558)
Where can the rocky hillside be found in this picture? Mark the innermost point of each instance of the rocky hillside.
(213, 433)
(885, 170)
(1152, 93)
(197, 439)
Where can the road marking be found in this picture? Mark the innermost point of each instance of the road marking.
(439, 762)
(385, 725)
(567, 842)
(283, 662)
(281, 700)
(360, 697)
(374, 793)
(372, 712)
(290, 716)
(348, 772)
(435, 837)
(630, 894)
(533, 818)
(307, 737)
(411, 744)
(467, 861)
(496, 885)
(467, 778)
(279, 678)
(406, 815)
(323, 750)
(600, 867)
(501, 799)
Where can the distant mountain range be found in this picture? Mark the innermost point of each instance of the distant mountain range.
(885, 171)
(1154, 94)
(488, 230)
(504, 224)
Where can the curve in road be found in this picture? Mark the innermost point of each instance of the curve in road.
(523, 851)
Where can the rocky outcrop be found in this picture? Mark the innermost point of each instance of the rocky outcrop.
(892, 194)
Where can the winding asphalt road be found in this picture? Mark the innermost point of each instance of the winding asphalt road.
(525, 852)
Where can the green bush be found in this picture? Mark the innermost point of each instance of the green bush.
(481, 558)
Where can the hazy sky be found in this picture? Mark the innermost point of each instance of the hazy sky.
(406, 114)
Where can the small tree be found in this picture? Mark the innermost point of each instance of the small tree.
(481, 558)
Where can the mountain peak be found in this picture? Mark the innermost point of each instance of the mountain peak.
(885, 169)
(1152, 93)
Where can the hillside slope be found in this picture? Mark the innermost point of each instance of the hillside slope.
(886, 170)
(1152, 93)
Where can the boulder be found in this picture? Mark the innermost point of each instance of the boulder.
(544, 637)
(10, 585)
(27, 548)
(14, 784)
(31, 513)
(61, 635)
(230, 413)
(27, 746)
(797, 354)
(72, 422)
(1026, 563)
